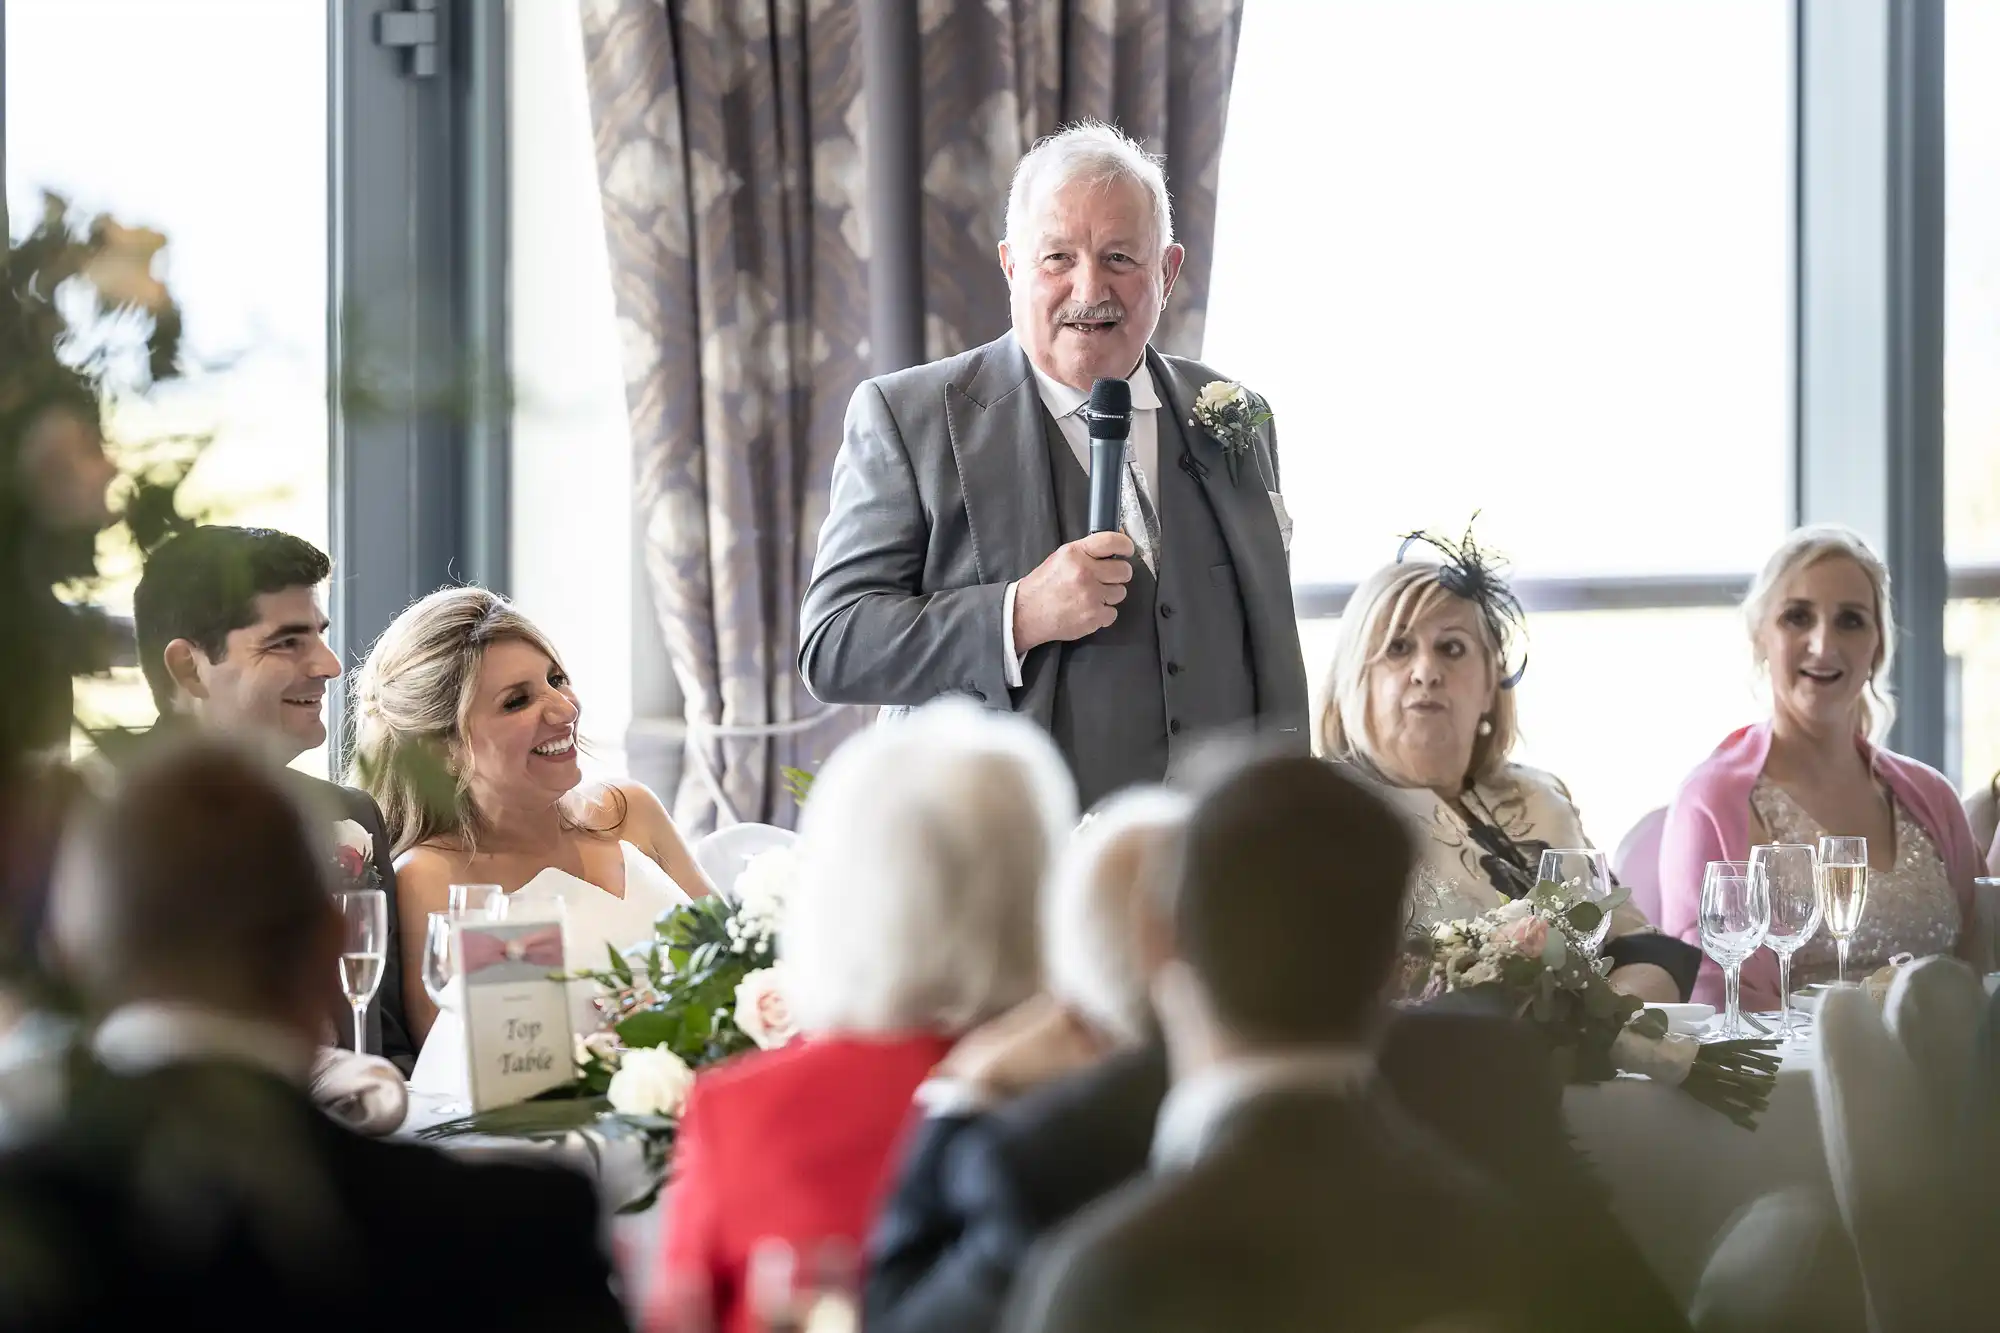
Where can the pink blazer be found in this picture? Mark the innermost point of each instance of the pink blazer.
(1710, 821)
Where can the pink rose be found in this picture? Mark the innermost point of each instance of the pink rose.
(1528, 936)
(761, 1011)
(351, 863)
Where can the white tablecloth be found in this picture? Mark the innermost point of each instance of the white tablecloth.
(1677, 1171)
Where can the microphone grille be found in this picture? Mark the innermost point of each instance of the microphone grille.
(1111, 398)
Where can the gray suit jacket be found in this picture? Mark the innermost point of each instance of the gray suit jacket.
(941, 498)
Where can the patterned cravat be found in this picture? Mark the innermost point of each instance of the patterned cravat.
(1137, 515)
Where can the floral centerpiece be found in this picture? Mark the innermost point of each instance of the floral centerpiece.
(706, 987)
(1531, 953)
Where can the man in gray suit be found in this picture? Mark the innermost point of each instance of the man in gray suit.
(956, 558)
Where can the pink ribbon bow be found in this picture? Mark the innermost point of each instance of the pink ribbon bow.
(542, 948)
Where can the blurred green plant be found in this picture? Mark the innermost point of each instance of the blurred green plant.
(84, 323)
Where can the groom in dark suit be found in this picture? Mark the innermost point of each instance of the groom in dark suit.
(231, 635)
(955, 557)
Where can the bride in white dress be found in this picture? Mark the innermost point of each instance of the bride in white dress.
(464, 682)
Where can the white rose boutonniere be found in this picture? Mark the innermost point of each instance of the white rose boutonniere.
(761, 1011)
(354, 855)
(651, 1080)
(1231, 415)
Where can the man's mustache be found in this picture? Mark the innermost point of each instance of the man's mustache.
(1091, 314)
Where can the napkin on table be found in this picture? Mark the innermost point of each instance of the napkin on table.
(363, 1092)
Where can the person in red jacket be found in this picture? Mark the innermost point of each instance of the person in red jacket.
(921, 858)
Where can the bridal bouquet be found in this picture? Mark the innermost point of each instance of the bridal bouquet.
(1531, 952)
(706, 987)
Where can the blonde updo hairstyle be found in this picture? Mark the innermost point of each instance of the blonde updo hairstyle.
(1386, 604)
(1804, 548)
(411, 700)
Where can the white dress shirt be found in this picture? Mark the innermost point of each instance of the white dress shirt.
(1066, 405)
(142, 1037)
(1197, 1105)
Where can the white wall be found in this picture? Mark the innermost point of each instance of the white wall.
(572, 567)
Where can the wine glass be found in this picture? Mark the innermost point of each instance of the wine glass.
(364, 915)
(1735, 915)
(440, 960)
(476, 900)
(1584, 877)
(1843, 890)
(1790, 872)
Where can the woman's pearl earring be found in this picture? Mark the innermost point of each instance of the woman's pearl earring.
(1486, 726)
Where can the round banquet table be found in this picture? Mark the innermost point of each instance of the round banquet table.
(1677, 1171)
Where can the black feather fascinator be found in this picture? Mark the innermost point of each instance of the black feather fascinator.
(1466, 571)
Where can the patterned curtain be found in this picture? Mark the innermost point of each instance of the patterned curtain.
(732, 155)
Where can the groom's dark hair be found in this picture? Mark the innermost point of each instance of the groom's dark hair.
(204, 583)
(1288, 901)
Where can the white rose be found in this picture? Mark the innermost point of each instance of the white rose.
(1512, 911)
(651, 1080)
(761, 1011)
(352, 837)
(764, 883)
(1216, 395)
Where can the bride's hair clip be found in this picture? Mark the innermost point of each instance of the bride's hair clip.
(1466, 571)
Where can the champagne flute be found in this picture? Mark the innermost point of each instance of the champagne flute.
(1735, 915)
(1791, 876)
(364, 915)
(486, 901)
(1843, 890)
(1584, 877)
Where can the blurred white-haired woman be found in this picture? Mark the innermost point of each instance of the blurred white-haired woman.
(922, 856)
(1009, 1145)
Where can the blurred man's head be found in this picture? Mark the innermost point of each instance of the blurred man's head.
(197, 881)
(1288, 910)
(230, 630)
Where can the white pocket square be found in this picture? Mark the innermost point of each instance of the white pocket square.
(1284, 519)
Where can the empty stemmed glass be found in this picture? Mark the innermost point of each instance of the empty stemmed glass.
(1790, 872)
(1735, 916)
(476, 900)
(364, 915)
(1584, 877)
(1843, 890)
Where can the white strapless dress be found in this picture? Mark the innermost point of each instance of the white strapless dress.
(592, 919)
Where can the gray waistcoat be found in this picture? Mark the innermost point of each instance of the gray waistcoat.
(1131, 698)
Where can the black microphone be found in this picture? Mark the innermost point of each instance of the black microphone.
(1110, 418)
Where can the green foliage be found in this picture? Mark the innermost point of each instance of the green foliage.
(798, 783)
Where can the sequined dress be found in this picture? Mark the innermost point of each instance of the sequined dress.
(1910, 908)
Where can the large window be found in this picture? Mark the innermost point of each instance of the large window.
(1529, 259)
(206, 121)
(1972, 375)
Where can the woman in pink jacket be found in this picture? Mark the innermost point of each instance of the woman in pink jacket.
(1822, 628)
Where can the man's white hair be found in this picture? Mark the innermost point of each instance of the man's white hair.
(1087, 151)
(1104, 885)
(922, 854)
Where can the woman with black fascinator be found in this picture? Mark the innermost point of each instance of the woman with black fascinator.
(1421, 699)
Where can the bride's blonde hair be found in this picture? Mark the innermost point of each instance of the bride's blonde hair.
(411, 698)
